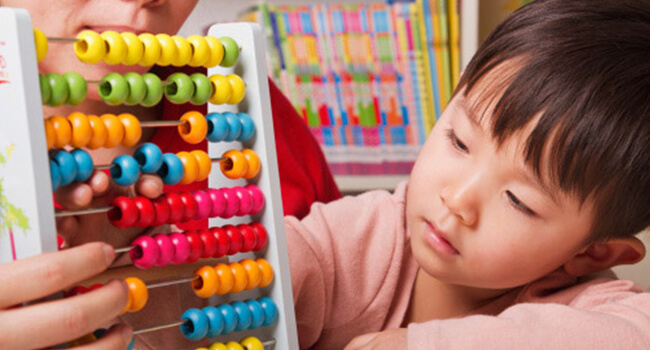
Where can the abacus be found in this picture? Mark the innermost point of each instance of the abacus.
(242, 201)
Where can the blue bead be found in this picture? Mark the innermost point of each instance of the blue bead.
(229, 318)
(217, 127)
(172, 170)
(270, 310)
(131, 344)
(244, 316)
(196, 328)
(55, 175)
(215, 321)
(257, 314)
(67, 166)
(234, 126)
(149, 156)
(247, 127)
(84, 164)
(125, 170)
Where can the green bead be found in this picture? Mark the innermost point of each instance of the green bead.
(137, 88)
(58, 89)
(154, 90)
(77, 88)
(202, 89)
(180, 88)
(45, 89)
(114, 89)
(231, 51)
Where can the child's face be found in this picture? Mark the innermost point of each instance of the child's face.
(476, 213)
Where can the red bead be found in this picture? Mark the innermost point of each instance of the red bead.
(218, 202)
(145, 252)
(249, 236)
(236, 239)
(245, 200)
(196, 246)
(204, 205)
(146, 211)
(76, 291)
(262, 236)
(95, 286)
(166, 248)
(124, 214)
(162, 211)
(258, 198)
(223, 241)
(182, 247)
(176, 207)
(189, 206)
(232, 203)
(209, 243)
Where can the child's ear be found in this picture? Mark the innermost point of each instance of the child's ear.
(603, 255)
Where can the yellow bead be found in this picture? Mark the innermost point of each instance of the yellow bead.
(81, 129)
(253, 162)
(90, 47)
(222, 90)
(50, 134)
(241, 277)
(218, 346)
(253, 272)
(231, 345)
(134, 49)
(152, 49)
(200, 50)
(190, 165)
(183, 51)
(267, 272)
(116, 47)
(99, 133)
(195, 127)
(41, 44)
(201, 349)
(226, 278)
(205, 164)
(238, 89)
(114, 129)
(252, 343)
(168, 50)
(138, 290)
(206, 285)
(216, 52)
(63, 131)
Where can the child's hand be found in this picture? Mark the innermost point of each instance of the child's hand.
(392, 339)
(55, 322)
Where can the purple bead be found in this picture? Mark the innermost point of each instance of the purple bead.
(204, 205)
(218, 202)
(258, 198)
(145, 252)
(245, 200)
(181, 248)
(167, 249)
(232, 206)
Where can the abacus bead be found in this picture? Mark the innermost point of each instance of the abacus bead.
(218, 202)
(253, 272)
(116, 48)
(98, 132)
(149, 157)
(171, 171)
(154, 90)
(257, 314)
(203, 205)
(77, 290)
(55, 175)
(131, 344)
(41, 44)
(176, 207)
(162, 211)
(236, 239)
(231, 51)
(196, 327)
(245, 200)
(114, 130)
(166, 249)
(235, 166)
(232, 206)
(217, 127)
(216, 52)
(190, 167)
(258, 198)
(215, 321)
(90, 47)
(238, 89)
(180, 88)
(204, 162)
(207, 282)
(62, 129)
(132, 129)
(243, 315)
(226, 278)
(152, 49)
(241, 278)
(200, 50)
(194, 127)
(267, 272)
(139, 291)
(249, 238)
(77, 88)
(84, 164)
(196, 246)
(168, 49)
(67, 166)
(146, 211)
(137, 88)
(114, 89)
(270, 310)
(124, 214)
(223, 242)
(50, 133)
(247, 127)
(81, 130)
(45, 89)
(58, 89)
(181, 247)
(145, 252)
(129, 301)
(134, 49)
(221, 89)
(86, 339)
(209, 243)
(231, 345)
(253, 162)
(125, 170)
(218, 346)
(262, 235)
(252, 343)
(183, 51)
(234, 126)
(202, 89)
(189, 206)
(229, 318)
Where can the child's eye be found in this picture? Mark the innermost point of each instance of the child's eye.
(519, 205)
(458, 144)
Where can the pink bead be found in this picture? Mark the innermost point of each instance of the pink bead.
(258, 198)
(145, 252)
(166, 249)
(218, 202)
(181, 247)
(232, 206)
(204, 205)
(245, 200)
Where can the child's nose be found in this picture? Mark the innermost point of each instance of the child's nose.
(462, 201)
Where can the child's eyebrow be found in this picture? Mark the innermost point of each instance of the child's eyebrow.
(462, 103)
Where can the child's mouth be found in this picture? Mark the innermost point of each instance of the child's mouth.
(438, 242)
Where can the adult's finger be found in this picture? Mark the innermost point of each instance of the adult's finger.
(150, 186)
(39, 276)
(80, 195)
(118, 337)
(361, 341)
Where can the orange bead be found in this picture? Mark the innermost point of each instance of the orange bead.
(208, 282)
(115, 130)
(191, 167)
(139, 293)
(50, 134)
(63, 131)
(81, 130)
(241, 277)
(205, 164)
(253, 163)
(129, 302)
(235, 166)
(195, 127)
(86, 339)
(267, 272)
(132, 129)
(253, 272)
(98, 131)
(226, 278)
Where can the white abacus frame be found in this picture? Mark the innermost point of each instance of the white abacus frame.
(25, 176)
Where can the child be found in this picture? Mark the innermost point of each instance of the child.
(535, 178)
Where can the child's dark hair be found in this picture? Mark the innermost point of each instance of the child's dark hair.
(584, 66)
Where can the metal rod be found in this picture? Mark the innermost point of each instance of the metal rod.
(67, 40)
(161, 123)
(158, 327)
(64, 213)
(173, 282)
(103, 167)
(123, 250)
(164, 83)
